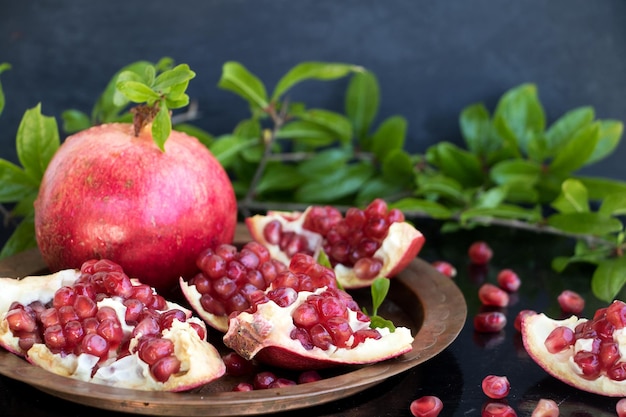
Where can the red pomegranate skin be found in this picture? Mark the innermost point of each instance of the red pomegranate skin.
(109, 194)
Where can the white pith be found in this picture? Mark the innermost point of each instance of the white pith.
(193, 296)
(274, 324)
(128, 372)
(535, 330)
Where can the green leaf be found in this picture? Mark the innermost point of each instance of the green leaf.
(492, 198)
(377, 322)
(334, 122)
(3, 67)
(475, 126)
(277, 177)
(430, 208)
(37, 141)
(613, 205)
(600, 188)
(236, 78)
(573, 198)
(311, 71)
(22, 238)
(324, 163)
(362, 101)
(389, 136)
(566, 127)
(378, 187)
(515, 170)
(338, 184)
(609, 278)
(585, 223)
(75, 121)
(576, 152)
(179, 75)
(248, 128)
(226, 148)
(522, 113)
(202, 135)
(16, 184)
(137, 92)
(441, 187)
(609, 137)
(379, 290)
(305, 132)
(502, 211)
(397, 167)
(161, 126)
(457, 163)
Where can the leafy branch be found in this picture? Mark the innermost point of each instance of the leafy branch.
(515, 171)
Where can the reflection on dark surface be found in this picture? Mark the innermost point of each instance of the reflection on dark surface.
(456, 374)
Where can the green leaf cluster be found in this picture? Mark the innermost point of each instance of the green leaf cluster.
(37, 140)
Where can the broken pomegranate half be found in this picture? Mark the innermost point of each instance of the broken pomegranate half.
(361, 246)
(586, 354)
(98, 325)
(312, 330)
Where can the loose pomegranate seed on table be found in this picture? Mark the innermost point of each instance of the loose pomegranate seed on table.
(495, 386)
(445, 268)
(426, 406)
(491, 295)
(480, 253)
(489, 321)
(496, 409)
(508, 280)
(571, 302)
(546, 408)
(620, 408)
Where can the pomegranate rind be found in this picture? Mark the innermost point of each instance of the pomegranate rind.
(401, 245)
(127, 372)
(264, 335)
(192, 295)
(535, 330)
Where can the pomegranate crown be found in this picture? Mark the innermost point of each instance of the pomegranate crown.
(156, 91)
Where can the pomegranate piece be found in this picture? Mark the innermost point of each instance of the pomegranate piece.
(426, 406)
(445, 268)
(294, 337)
(480, 253)
(496, 409)
(361, 246)
(583, 353)
(508, 280)
(489, 321)
(495, 386)
(546, 408)
(490, 295)
(571, 302)
(75, 333)
(517, 323)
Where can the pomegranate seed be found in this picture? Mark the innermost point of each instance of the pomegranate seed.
(200, 330)
(490, 295)
(54, 337)
(480, 253)
(445, 268)
(571, 302)
(546, 408)
(340, 331)
(367, 268)
(94, 344)
(111, 331)
(519, 318)
(166, 319)
(148, 326)
(283, 296)
(85, 307)
(49, 317)
(105, 313)
(378, 207)
(263, 380)
(134, 307)
(620, 408)
(489, 322)
(309, 376)
(236, 365)
(27, 340)
(617, 372)
(508, 280)
(281, 383)
(426, 406)
(496, 386)
(320, 336)
(361, 335)
(305, 315)
(243, 387)
(165, 367)
(19, 320)
(74, 333)
(155, 348)
(559, 339)
(589, 363)
(496, 409)
(64, 296)
(616, 314)
(609, 354)
(67, 313)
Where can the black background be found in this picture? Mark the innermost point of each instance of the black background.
(432, 58)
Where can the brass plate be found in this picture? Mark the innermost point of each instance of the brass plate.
(420, 298)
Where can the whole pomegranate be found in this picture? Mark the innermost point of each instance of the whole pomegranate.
(110, 193)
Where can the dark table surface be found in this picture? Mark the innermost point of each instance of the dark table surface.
(455, 374)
